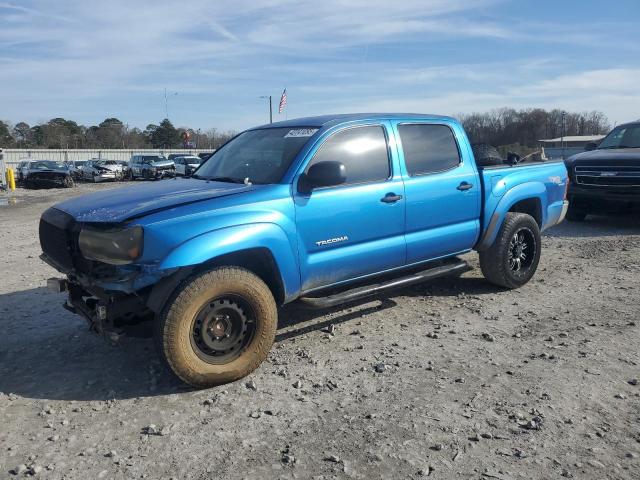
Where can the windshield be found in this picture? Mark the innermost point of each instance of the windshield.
(262, 156)
(48, 164)
(106, 162)
(192, 160)
(627, 136)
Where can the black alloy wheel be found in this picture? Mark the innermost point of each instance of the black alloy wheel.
(522, 250)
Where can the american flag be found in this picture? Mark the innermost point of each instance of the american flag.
(283, 101)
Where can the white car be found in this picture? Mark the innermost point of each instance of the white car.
(97, 170)
(187, 165)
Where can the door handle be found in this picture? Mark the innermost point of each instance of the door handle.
(464, 186)
(391, 198)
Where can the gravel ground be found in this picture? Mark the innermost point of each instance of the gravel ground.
(453, 379)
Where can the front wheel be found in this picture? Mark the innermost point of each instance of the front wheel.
(513, 258)
(218, 327)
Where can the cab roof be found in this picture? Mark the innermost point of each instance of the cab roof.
(332, 120)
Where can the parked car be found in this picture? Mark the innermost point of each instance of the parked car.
(151, 167)
(321, 210)
(205, 155)
(46, 173)
(187, 165)
(22, 168)
(98, 170)
(173, 156)
(606, 178)
(124, 165)
(75, 166)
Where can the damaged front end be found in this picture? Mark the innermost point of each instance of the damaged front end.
(109, 313)
(111, 297)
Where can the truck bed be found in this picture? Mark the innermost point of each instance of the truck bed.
(537, 186)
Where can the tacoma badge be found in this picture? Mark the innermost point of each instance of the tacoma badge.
(320, 243)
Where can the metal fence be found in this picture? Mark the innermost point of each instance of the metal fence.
(12, 156)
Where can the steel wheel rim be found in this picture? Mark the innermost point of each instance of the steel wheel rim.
(521, 251)
(222, 329)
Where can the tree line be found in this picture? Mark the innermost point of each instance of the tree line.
(525, 128)
(110, 133)
(520, 130)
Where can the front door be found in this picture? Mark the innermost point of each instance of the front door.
(357, 228)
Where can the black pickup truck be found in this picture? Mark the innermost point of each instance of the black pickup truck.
(606, 178)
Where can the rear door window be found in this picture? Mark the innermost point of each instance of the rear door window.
(428, 148)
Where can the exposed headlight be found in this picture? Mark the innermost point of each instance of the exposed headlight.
(115, 246)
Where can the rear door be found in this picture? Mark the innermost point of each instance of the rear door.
(87, 170)
(355, 229)
(135, 166)
(180, 165)
(443, 191)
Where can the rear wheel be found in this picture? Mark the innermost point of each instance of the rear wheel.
(513, 258)
(218, 327)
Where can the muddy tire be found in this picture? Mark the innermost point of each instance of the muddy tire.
(217, 328)
(513, 258)
(68, 182)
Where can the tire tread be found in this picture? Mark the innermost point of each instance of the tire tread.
(492, 261)
(172, 346)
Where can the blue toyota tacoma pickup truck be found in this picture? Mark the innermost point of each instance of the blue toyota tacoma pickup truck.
(322, 210)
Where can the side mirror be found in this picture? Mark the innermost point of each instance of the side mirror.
(513, 158)
(323, 174)
(590, 146)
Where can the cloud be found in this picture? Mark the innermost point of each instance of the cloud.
(85, 60)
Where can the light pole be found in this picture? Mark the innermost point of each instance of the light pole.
(270, 107)
(166, 103)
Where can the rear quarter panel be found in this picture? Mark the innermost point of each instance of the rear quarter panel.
(504, 186)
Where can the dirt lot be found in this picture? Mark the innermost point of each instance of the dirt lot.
(455, 379)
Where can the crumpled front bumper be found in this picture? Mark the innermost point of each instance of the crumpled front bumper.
(101, 313)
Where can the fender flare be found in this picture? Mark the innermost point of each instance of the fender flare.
(524, 191)
(216, 243)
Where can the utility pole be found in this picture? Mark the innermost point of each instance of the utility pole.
(270, 107)
(166, 104)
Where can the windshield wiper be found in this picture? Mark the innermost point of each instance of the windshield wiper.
(225, 179)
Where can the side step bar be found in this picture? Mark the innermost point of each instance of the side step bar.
(455, 267)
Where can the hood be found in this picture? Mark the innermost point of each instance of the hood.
(163, 163)
(113, 168)
(46, 166)
(46, 169)
(120, 204)
(617, 156)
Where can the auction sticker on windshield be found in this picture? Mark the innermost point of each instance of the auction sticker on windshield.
(301, 132)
